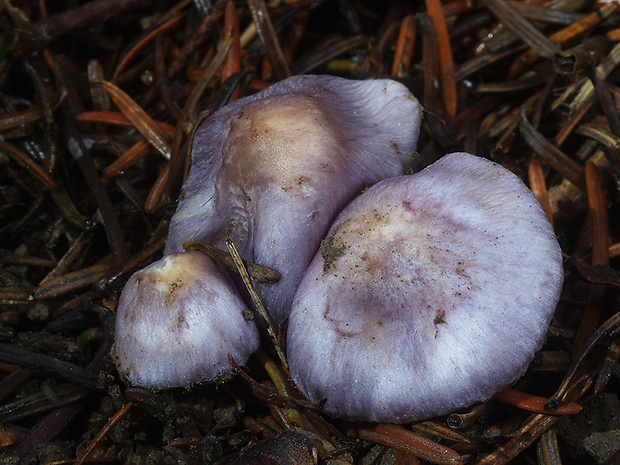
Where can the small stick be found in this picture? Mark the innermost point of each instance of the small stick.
(69, 282)
(268, 37)
(254, 295)
(600, 254)
(259, 273)
(571, 123)
(81, 17)
(466, 419)
(534, 427)
(118, 416)
(582, 26)
(407, 441)
(610, 362)
(130, 157)
(17, 118)
(72, 254)
(157, 191)
(145, 41)
(550, 154)
(140, 119)
(281, 385)
(117, 118)
(23, 159)
(538, 186)
(404, 46)
(535, 404)
(611, 328)
(548, 449)
(523, 28)
(198, 38)
(232, 62)
(446, 62)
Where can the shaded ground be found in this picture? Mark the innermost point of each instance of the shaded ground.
(73, 225)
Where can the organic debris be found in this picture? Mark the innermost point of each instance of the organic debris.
(99, 100)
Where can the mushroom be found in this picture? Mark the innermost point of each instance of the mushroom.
(430, 293)
(177, 321)
(272, 170)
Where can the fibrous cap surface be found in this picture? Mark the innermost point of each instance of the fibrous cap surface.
(177, 321)
(431, 292)
(272, 170)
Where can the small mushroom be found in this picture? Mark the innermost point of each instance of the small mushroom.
(430, 293)
(272, 170)
(177, 321)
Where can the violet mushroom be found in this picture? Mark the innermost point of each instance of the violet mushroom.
(431, 292)
(177, 321)
(272, 170)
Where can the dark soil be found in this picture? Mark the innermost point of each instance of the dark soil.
(72, 230)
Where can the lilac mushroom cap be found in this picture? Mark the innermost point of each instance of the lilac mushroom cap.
(177, 320)
(272, 170)
(431, 293)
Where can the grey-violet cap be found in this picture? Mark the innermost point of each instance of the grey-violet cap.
(431, 292)
(177, 320)
(272, 170)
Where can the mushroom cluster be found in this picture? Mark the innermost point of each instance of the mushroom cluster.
(271, 171)
(430, 292)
